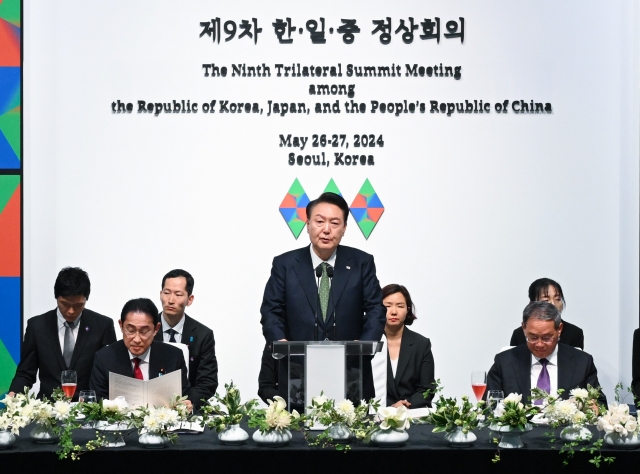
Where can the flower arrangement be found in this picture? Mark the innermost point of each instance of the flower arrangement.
(449, 415)
(227, 411)
(20, 410)
(512, 413)
(327, 412)
(343, 421)
(161, 420)
(275, 417)
(580, 409)
(618, 420)
(109, 412)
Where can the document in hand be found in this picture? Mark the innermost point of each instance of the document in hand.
(155, 392)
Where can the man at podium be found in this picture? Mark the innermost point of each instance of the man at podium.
(325, 290)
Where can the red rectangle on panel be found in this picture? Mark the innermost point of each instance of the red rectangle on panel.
(10, 236)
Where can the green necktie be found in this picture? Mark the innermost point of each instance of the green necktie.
(324, 291)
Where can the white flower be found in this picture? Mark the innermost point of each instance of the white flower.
(499, 411)
(580, 393)
(319, 400)
(399, 415)
(513, 397)
(279, 403)
(119, 405)
(61, 410)
(346, 407)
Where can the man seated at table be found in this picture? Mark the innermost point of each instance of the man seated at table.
(137, 354)
(542, 362)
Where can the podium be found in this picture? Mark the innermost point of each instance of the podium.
(306, 368)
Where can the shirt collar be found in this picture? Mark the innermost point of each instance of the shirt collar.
(315, 260)
(553, 358)
(61, 319)
(143, 358)
(177, 328)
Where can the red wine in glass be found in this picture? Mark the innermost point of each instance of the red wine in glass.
(479, 383)
(69, 389)
(69, 381)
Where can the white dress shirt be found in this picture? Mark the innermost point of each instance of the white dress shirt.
(552, 368)
(62, 328)
(144, 363)
(178, 328)
(379, 369)
(315, 261)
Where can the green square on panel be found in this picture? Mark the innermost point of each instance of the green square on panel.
(7, 369)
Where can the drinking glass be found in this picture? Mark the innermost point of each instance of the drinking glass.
(478, 383)
(87, 396)
(493, 398)
(69, 380)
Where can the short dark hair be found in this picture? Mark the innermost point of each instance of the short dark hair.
(540, 288)
(543, 311)
(141, 305)
(72, 281)
(177, 273)
(411, 309)
(329, 198)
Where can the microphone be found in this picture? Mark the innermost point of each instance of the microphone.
(318, 276)
(330, 275)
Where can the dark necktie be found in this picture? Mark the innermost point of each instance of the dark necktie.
(544, 381)
(172, 332)
(137, 373)
(323, 291)
(69, 342)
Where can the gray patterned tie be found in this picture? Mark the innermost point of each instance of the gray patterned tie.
(69, 342)
(324, 291)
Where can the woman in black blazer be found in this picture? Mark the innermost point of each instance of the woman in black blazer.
(410, 367)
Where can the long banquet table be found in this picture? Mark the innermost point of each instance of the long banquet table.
(425, 451)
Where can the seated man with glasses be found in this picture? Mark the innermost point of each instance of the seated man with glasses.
(137, 355)
(542, 362)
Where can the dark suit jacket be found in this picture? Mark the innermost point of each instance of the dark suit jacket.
(511, 371)
(291, 298)
(203, 366)
(41, 351)
(115, 358)
(572, 336)
(415, 372)
(635, 364)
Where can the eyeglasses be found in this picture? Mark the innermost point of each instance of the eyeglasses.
(543, 339)
(143, 333)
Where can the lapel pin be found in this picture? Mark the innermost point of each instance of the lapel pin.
(191, 339)
(86, 328)
(191, 359)
(348, 267)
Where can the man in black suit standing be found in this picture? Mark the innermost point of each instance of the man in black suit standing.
(545, 289)
(65, 338)
(542, 362)
(177, 326)
(137, 355)
(326, 290)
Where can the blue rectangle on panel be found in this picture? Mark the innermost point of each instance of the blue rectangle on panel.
(10, 315)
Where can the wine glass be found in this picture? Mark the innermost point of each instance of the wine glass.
(69, 379)
(493, 398)
(478, 383)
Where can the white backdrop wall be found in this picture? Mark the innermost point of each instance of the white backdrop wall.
(477, 206)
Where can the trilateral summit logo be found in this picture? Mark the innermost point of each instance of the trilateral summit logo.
(366, 208)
